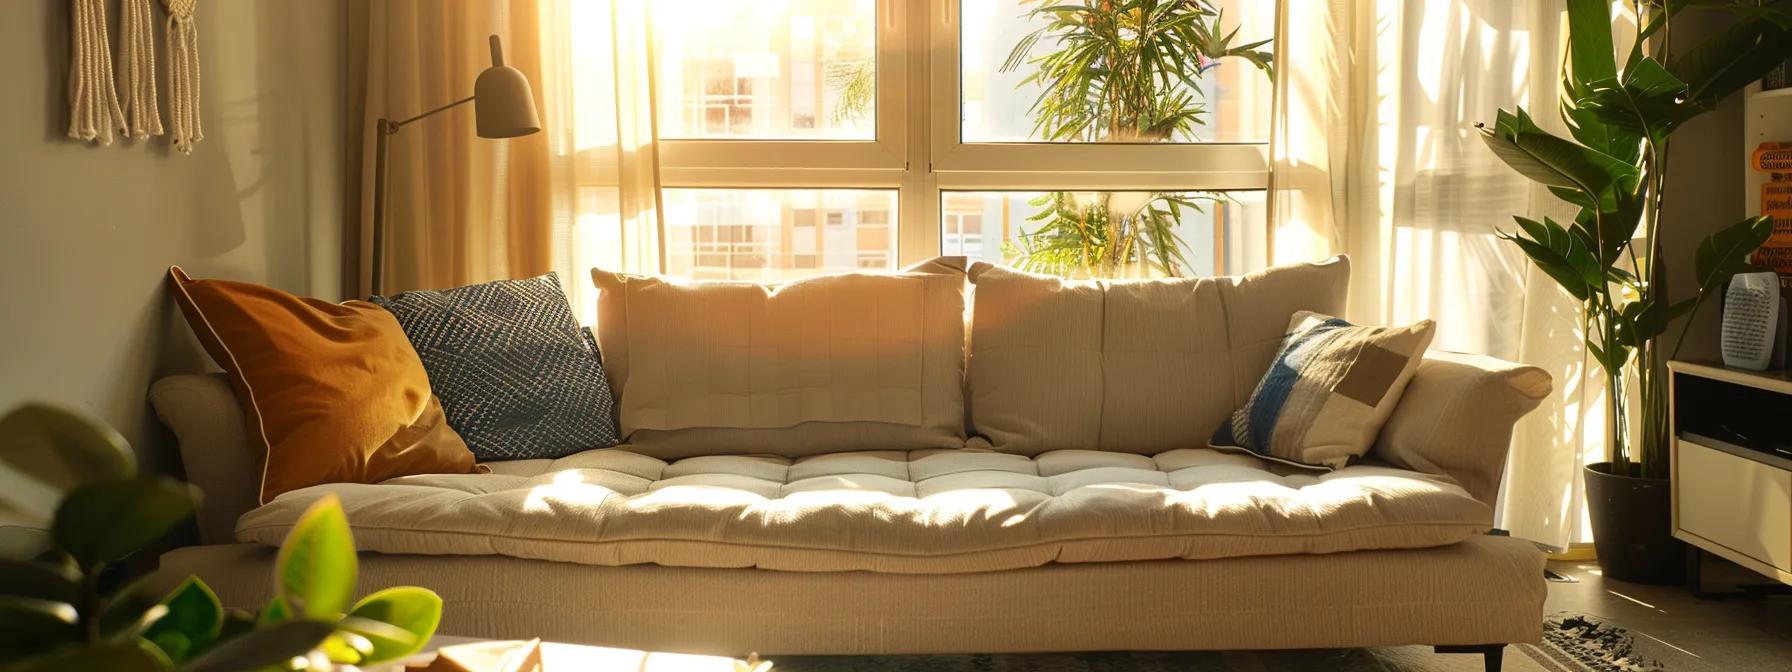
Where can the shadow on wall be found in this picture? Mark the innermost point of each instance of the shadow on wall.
(214, 236)
(257, 200)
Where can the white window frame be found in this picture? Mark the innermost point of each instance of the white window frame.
(810, 163)
(918, 149)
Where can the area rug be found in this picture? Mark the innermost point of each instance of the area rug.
(1571, 643)
(1581, 642)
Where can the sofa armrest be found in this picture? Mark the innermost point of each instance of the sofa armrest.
(1456, 419)
(215, 448)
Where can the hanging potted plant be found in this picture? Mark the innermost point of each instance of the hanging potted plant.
(1620, 117)
(1122, 71)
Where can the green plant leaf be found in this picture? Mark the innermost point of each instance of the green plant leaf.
(1591, 57)
(1724, 64)
(1646, 103)
(346, 648)
(1591, 54)
(316, 567)
(1561, 255)
(1725, 253)
(40, 580)
(266, 647)
(130, 611)
(412, 614)
(193, 620)
(33, 626)
(1642, 321)
(106, 521)
(274, 611)
(1557, 162)
(129, 656)
(46, 451)
(1611, 358)
(1610, 230)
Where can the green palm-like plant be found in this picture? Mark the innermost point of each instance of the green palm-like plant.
(856, 83)
(1094, 235)
(1613, 168)
(1121, 71)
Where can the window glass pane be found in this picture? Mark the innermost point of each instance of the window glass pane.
(1222, 234)
(1229, 102)
(759, 69)
(778, 234)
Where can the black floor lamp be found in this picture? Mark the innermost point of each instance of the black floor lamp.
(503, 107)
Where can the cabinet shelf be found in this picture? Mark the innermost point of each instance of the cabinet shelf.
(1785, 93)
(1731, 468)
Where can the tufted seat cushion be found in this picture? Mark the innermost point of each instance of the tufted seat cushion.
(926, 511)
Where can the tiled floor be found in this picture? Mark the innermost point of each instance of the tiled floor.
(1682, 631)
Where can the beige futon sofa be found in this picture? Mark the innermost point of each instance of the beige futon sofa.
(954, 459)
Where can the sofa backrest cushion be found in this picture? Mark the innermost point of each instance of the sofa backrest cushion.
(841, 362)
(1132, 366)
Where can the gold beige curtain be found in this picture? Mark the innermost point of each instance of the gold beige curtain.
(1316, 74)
(462, 209)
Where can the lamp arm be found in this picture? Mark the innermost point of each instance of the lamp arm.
(384, 129)
(393, 126)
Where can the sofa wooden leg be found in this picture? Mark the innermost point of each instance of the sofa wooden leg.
(1493, 655)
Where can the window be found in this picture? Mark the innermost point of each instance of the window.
(805, 136)
(998, 99)
(1218, 231)
(770, 234)
(736, 69)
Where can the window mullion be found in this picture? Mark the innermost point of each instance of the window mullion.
(919, 229)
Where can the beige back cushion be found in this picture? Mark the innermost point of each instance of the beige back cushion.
(1131, 366)
(843, 362)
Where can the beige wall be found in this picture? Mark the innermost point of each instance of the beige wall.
(1706, 162)
(87, 233)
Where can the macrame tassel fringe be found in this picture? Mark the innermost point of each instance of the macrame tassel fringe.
(94, 114)
(137, 66)
(183, 75)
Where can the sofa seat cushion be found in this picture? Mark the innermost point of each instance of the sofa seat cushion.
(926, 511)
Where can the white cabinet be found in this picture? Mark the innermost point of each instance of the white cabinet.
(1732, 482)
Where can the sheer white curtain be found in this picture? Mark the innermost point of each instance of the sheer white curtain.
(1421, 198)
(599, 118)
(1314, 114)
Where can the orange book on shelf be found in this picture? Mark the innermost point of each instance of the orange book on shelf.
(1772, 157)
(1782, 231)
(1775, 256)
(1776, 196)
(1776, 202)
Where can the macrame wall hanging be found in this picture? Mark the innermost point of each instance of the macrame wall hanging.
(94, 114)
(137, 67)
(183, 75)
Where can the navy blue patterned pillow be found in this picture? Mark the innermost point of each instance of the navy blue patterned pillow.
(517, 377)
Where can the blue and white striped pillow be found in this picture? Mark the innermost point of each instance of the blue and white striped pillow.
(1327, 392)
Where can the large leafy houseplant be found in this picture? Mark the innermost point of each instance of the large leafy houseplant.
(61, 611)
(1620, 116)
(1121, 71)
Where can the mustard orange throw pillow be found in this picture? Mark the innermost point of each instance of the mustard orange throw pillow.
(333, 392)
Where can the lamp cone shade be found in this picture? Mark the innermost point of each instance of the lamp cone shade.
(503, 104)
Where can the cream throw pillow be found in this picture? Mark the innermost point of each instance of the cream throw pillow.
(1328, 392)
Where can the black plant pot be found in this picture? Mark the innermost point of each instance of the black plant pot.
(1633, 527)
